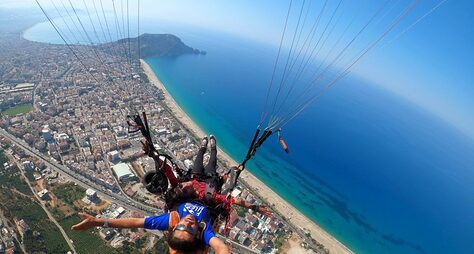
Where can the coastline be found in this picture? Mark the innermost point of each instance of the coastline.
(257, 186)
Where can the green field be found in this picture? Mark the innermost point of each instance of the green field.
(44, 235)
(19, 109)
(68, 193)
(85, 241)
(10, 179)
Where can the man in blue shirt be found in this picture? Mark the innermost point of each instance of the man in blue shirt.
(193, 213)
(190, 228)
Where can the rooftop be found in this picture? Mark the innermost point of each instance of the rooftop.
(122, 170)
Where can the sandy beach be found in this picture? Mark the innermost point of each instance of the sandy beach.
(283, 207)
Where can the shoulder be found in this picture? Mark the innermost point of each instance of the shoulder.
(160, 222)
(218, 245)
(173, 219)
(208, 234)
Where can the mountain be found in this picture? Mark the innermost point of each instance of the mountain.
(153, 45)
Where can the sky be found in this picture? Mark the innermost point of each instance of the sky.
(430, 64)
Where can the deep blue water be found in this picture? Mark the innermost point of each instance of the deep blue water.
(376, 171)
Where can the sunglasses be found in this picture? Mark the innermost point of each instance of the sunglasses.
(181, 227)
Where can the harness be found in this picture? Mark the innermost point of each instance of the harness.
(156, 181)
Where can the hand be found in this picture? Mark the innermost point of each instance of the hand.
(87, 222)
(238, 168)
(265, 210)
(148, 149)
(145, 147)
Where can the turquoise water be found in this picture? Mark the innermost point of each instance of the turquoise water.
(379, 173)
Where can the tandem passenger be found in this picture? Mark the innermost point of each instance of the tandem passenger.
(190, 228)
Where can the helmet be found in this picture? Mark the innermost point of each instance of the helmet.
(155, 182)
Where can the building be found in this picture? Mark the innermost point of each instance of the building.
(91, 196)
(28, 165)
(42, 106)
(113, 156)
(107, 233)
(61, 137)
(23, 227)
(22, 87)
(236, 192)
(120, 210)
(37, 176)
(123, 172)
(43, 194)
(115, 214)
(161, 131)
(47, 136)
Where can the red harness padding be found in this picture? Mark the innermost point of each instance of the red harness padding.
(197, 190)
(168, 170)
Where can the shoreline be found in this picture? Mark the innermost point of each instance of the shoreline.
(263, 191)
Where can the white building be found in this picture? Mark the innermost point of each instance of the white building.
(115, 214)
(123, 172)
(113, 156)
(236, 192)
(28, 166)
(42, 105)
(161, 131)
(120, 210)
(91, 196)
(43, 194)
(47, 136)
(61, 137)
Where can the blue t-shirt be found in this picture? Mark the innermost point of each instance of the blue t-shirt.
(199, 211)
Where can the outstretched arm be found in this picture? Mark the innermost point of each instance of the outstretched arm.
(219, 246)
(258, 208)
(90, 222)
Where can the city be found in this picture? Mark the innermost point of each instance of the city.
(76, 154)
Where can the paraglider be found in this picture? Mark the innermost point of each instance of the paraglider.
(193, 200)
(282, 142)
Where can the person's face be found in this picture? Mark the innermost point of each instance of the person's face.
(186, 229)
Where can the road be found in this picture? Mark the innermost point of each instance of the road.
(82, 181)
(2, 218)
(50, 216)
(281, 217)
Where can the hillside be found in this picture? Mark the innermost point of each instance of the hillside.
(153, 45)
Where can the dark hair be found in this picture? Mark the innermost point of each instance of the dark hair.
(173, 198)
(185, 246)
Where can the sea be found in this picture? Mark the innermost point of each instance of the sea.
(378, 172)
